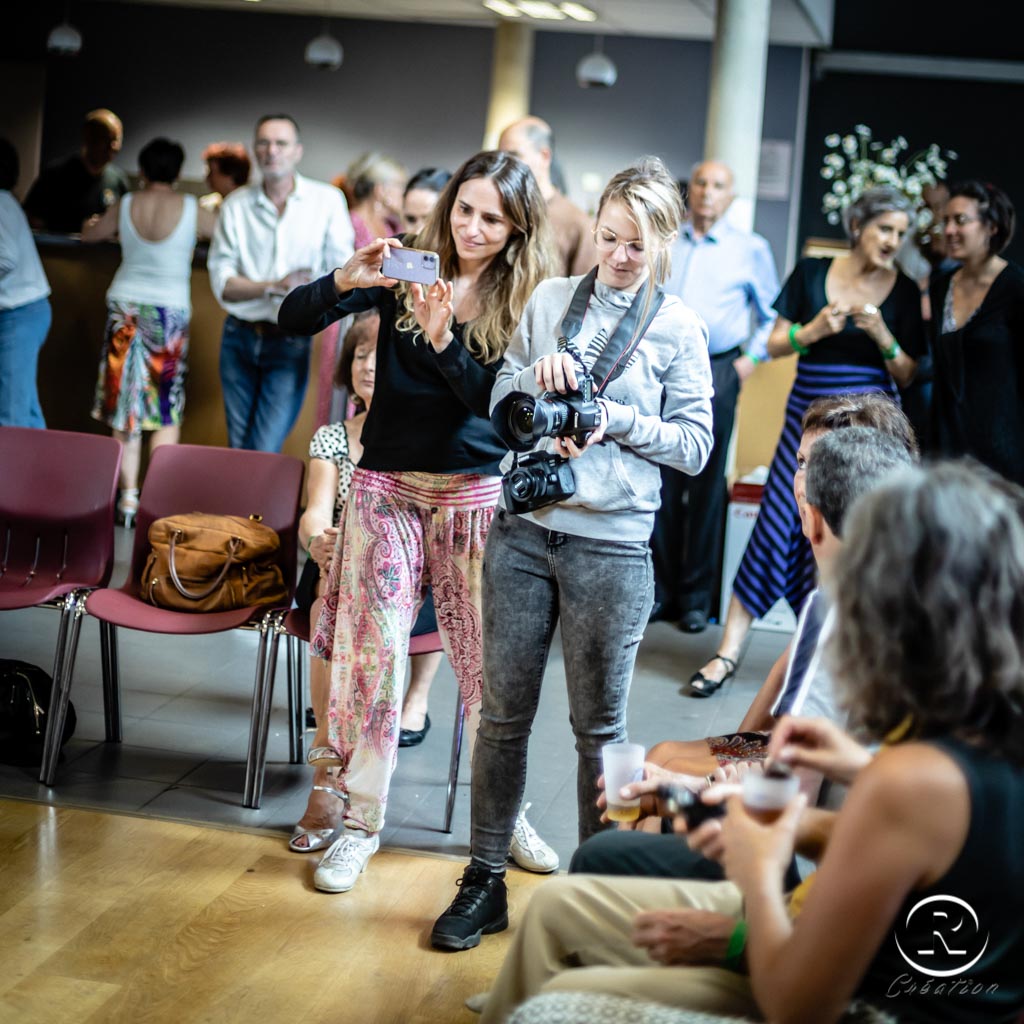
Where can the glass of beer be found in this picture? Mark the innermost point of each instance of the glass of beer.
(623, 764)
(765, 796)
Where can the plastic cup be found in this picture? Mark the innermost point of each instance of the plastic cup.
(623, 764)
(765, 797)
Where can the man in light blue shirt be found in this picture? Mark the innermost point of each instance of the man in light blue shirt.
(728, 276)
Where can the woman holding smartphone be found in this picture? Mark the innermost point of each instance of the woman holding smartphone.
(424, 492)
(583, 558)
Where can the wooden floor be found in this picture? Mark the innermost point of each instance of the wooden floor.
(108, 918)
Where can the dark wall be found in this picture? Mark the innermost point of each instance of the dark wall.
(205, 75)
(970, 118)
(948, 27)
(418, 92)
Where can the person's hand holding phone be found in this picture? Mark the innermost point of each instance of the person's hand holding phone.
(363, 269)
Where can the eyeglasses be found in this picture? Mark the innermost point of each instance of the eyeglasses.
(608, 241)
(959, 219)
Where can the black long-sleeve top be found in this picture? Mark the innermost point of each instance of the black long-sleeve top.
(429, 412)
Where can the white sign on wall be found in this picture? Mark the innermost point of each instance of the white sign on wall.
(775, 169)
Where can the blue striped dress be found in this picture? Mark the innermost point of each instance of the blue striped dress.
(778, 562)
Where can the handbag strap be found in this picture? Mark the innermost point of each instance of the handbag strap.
(233, 546)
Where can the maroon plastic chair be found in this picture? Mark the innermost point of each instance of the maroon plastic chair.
(56, 538)
(222, 481)
(295, 627)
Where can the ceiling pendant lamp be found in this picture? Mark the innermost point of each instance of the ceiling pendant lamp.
(324, 51)
(64, 39)
(596, 71)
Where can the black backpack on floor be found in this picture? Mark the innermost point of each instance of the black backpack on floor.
(24, 707)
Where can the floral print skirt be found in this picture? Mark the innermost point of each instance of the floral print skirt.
(141, 382)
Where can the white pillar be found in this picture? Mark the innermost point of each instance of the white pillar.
(510, 78)
(739, 61)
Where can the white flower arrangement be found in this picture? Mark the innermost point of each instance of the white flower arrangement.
(857, 162)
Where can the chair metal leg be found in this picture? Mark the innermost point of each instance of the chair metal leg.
(259, 723)
(453, 767)
(67, 604)
(294, 651)
(73, 607)
(111, 682)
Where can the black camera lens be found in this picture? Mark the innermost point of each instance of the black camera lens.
(548, 417)
(521, 484)
(521, 419)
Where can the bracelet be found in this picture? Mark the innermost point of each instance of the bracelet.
(754, 358)
(309, 546)
(793, 343)
(891, 353)
(737, 943)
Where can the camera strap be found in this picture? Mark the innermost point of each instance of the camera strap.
(615, 356)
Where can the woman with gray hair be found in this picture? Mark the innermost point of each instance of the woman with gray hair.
(855, 323)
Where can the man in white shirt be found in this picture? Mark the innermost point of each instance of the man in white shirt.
(269, 239)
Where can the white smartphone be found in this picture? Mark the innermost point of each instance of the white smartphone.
(415, 265)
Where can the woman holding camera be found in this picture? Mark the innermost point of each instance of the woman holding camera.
(582, 558)
(423, 495)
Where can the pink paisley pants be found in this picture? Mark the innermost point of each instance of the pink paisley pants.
(401, 532)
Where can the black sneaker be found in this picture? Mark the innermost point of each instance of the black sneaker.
(481, 908)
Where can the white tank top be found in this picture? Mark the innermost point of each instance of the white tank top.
(155, 273)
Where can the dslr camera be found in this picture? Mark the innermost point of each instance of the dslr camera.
(536, 481)
(522, 420)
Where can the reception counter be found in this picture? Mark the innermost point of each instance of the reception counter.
(79, 275)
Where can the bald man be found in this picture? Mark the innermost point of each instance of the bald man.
(728, 276)
(531, 140)
(82, 185)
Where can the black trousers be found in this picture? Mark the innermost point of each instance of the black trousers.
(686, 544)
(645, 855)
(642, 854)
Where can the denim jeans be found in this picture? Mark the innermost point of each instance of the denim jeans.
(601, 591)
(263, 377)
(22, 333)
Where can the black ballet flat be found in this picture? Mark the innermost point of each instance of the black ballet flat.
(414, 737)
(701, 686)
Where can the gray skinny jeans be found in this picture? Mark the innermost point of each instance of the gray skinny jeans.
(601, 591)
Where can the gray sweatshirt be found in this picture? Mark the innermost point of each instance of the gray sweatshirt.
(659, 408)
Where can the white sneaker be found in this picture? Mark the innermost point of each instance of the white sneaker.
(345, 861)
(528, 850)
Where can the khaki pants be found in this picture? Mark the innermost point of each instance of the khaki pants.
(575, 936)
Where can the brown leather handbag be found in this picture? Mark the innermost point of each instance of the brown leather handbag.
(208, 563)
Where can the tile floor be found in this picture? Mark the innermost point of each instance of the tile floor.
(186, 703)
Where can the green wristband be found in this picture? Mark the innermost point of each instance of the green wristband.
(753, 358)
(793, 343)
(737, 943)
(891, 353)
(309, 546)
